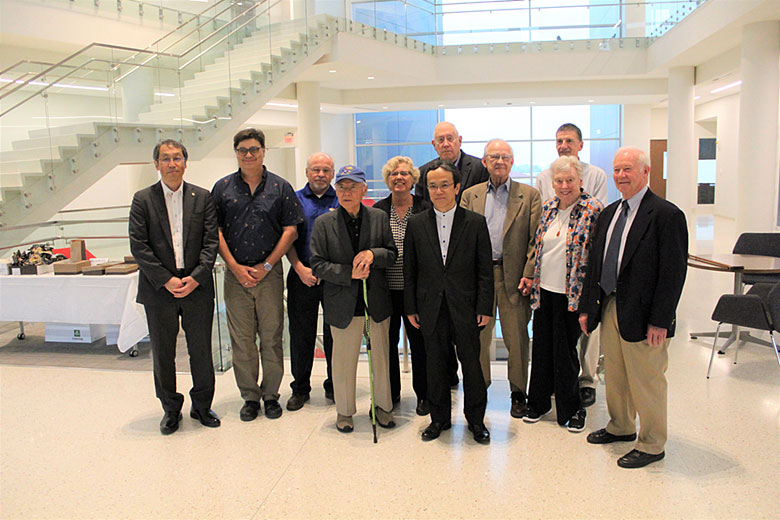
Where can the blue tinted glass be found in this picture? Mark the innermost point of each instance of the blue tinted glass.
(604, 122)
(601, 154)
(408, 126)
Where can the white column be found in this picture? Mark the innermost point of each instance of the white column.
(308, 137)
(758, 120)
(682, 152)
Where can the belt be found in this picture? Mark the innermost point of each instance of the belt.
(500, 261)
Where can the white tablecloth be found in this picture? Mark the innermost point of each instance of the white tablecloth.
(105, 300)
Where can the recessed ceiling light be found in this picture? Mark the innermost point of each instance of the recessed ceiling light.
(371, 77)
(441, 106)
(384, 108)
(591, 101)
(332, 71)
(532, 102)
(726, 87)
(696, 97)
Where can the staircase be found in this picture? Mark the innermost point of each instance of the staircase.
(50, 169)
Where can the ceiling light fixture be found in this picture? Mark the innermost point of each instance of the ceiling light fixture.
(726, 87)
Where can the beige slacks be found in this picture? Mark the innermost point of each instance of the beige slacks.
(346, 349)
(514, 326)
(636, 384)
(253, 311)
(590, 349)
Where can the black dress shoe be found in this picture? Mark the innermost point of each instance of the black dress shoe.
(206, 416)
(170, 422)
(519, 406)
(249, 411)
(638, 459)
(423, 407)
(434, 430)
(296, 401)
(602, 436)
(481, 434)
(587, 396)
(272, 409)
(329, 394)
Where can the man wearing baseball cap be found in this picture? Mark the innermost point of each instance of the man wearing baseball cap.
(348, 245)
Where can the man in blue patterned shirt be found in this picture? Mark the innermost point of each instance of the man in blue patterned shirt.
(257, 213)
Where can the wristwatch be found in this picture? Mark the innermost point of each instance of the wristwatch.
(267, 267)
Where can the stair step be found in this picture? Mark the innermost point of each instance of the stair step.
(21, 166)
(45, 142)
(79, 128)
(47, 152)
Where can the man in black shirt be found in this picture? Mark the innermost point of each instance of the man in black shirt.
(257, 213)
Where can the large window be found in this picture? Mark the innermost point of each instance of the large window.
(529, 130)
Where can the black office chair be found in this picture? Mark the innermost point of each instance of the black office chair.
(765, 244)
(758, 309)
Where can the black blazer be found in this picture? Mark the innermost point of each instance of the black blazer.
(472, 172)
(152, 246)
(652, 270)
(466, 282)
(331, 260)
(419, 204)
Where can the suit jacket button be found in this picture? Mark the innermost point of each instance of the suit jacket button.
(598, 302)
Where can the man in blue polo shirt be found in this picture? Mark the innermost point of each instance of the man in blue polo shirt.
(257, 213)
(304, 291)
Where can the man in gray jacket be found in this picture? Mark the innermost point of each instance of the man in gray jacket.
(348, 245)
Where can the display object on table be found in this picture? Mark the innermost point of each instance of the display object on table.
(77, 261)
(98, 269)
(122, 269)
(130, 260)
(38, 259)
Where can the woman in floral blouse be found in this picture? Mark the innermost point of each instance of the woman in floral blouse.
(562, 243)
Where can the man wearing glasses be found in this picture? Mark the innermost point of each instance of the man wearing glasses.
(512, 212)
(304, 291)
(448, 294)
(257, 213)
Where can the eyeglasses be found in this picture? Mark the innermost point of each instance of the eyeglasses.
(177, 159)
(436, 187)
(497, 156)
(402, 173)
(244, 151)
(320, 170)
(348, 189)
(448, 138)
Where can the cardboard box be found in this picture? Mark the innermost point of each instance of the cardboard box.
(74, 332)
(99, 269)
(69, 266)
(122, 269)
(78, 250)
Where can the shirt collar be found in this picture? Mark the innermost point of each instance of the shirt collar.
(167, 191)
(503, 187)
(446, 213)
(310, 194)
(636, 200)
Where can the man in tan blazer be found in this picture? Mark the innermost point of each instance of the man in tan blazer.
(512, 212)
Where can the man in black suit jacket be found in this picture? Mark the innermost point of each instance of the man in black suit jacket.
(173, 237)
(350, 244)
(447, 142)
(635, 277)
(448, 293)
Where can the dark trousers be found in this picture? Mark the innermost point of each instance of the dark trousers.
(555, 364)
(196, 320)
(303, 303)
(416, 345)
(438, 343)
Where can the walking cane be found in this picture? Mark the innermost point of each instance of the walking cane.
(367, 335)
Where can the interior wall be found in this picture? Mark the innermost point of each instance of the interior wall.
(725, 113)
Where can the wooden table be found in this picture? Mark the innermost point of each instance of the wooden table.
(739, 265)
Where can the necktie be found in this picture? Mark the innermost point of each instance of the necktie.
(609, 268)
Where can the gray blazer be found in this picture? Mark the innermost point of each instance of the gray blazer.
(331, 261)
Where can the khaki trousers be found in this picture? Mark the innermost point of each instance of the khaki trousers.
(636, 384)
(253, 311)
(514, 326)
(346, 349)
(590, 349)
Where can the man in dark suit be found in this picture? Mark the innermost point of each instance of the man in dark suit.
(448, 278)
(348, 245)
(635, 278)
(447, 142)
(173, 237)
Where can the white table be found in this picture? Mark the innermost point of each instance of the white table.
(105, 300)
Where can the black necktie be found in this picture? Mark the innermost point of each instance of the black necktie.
(609, 269)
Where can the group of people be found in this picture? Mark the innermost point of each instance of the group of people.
(456, 240)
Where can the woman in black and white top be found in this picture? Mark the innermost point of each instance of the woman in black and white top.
(400, 175)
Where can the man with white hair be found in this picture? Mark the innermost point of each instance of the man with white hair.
(635, 278)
